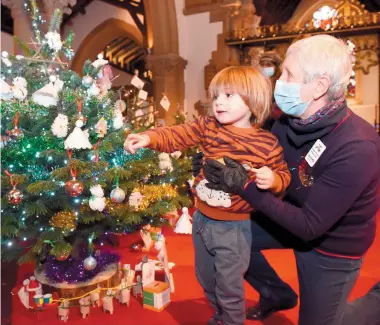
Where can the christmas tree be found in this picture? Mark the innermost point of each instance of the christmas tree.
(66, 180)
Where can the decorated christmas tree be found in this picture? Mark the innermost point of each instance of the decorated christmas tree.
(66, 181)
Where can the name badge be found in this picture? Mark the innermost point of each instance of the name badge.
(315, 153)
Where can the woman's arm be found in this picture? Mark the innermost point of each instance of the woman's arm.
(333, 193)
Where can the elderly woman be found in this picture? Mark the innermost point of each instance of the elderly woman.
(328, 212)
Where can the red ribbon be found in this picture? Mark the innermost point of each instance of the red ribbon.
(73, 172)
(96, 151)
(16, 119)
(11, 180)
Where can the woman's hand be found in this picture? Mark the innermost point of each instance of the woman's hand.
(197, 163)
(229, 178)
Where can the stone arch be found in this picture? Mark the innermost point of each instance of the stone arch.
(100, 37)
(162, 37)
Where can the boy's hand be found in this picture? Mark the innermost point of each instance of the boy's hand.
(264, 177)
(136, 141)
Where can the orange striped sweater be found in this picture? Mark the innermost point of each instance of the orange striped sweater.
(252, 146)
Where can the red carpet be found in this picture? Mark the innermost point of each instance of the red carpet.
(188, 305)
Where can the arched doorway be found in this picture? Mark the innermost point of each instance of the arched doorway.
(164, 61)
(99, 38)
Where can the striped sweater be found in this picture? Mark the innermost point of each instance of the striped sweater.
(254, 147)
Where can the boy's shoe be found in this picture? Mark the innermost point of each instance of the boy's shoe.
(259, 312)
(213, 321)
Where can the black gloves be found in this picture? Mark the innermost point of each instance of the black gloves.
(197, 163)
(230, 178)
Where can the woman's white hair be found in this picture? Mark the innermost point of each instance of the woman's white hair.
(324, 55)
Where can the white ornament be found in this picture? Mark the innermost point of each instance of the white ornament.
(19, 88)
(118, 120)
(19, 57)
(60, 126)
(93, 90)
(165, 162)
(117, 195)
(99, 62)
(184, 225)
(54, 41)
(97, 201)
(4, 58)
(120, 105)
(108, 301)
(48, 95)
(78, 139)
(90, 263)
(20, 82)
(135, 199)
(5, 91)
(87, 81)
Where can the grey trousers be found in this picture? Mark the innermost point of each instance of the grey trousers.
(364, 310)
(222, 251)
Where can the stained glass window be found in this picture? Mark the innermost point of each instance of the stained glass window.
(325, 18)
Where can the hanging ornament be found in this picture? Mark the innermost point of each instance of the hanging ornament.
(117, 195)
(48, 95)
(93, 91)
(15, 133)
(5, 60)
(14, 195)
(118, 120)
(120, 105)
(19, 88)
(65, 220)
(165, 162)
(54, 41)
(60, 126)
(87, 81)
(100, 61)
(73, 187)
(89, 263)
(101, 128)
(97, 201)
(5, 91)
(105, 79)
(78, 139)
(135, 200)
(62, 257)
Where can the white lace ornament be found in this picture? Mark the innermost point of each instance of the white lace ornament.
(78, 139)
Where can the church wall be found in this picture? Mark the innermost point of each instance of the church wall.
(197, 40)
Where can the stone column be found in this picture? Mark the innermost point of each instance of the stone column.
(22, 27)
(168, 79)
(22, 22)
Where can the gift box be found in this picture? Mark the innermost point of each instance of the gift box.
(156, 295)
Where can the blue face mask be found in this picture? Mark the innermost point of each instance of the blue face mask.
(288, 98)
(268, 71)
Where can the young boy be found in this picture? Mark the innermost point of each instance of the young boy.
(242, 99)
